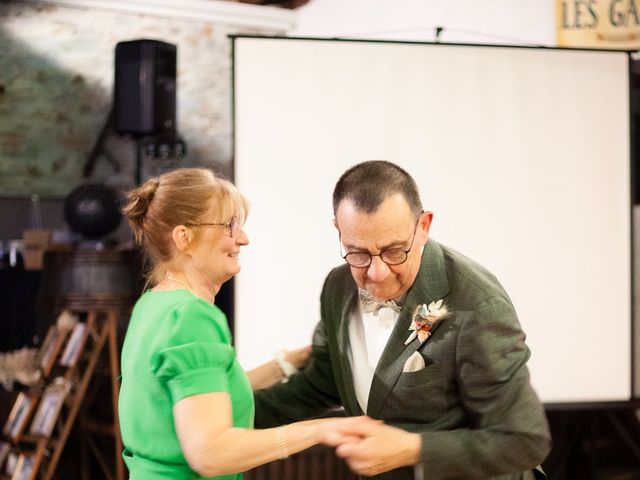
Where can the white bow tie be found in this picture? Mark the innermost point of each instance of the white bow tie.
(371, 305)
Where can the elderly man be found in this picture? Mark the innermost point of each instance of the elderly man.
(420, 336)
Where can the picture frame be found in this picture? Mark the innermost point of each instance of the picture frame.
(11, 463)
(19, 416)
(5, 448)
(75, 345)
(50, 349)
(49, 407)
(25, 467)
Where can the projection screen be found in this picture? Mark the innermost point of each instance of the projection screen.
(521, 153)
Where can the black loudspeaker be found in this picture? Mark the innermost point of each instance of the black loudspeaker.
(145, 87)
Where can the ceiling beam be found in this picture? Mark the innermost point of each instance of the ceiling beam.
(216, 11)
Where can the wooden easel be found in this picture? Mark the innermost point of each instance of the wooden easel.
(101, 337)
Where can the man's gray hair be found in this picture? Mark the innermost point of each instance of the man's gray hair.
(370, 183)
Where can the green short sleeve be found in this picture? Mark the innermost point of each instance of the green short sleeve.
(198, 356)
(194, 368)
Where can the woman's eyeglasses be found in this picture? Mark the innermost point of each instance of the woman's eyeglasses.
(231, 227)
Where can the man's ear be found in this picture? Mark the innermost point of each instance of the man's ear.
(181, 237)
(424, 224)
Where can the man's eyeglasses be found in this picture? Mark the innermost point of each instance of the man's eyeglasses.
(390, 256)
(231, 227)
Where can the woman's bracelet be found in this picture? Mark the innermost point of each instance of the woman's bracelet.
(281, 442)
(287, 368)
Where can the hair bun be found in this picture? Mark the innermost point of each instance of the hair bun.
(138, 202)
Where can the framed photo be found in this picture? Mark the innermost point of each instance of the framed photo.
(20, 415)
(25, 467)
(49, 407)
(75, 345)
(5, 448)
(12, 462)
(50, 349)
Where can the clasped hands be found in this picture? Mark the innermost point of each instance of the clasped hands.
(369, 446)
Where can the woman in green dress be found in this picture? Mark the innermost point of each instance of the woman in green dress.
(186, 406)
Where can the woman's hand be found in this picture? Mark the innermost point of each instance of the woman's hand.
(271, 373)
(299, 357)
(337, 431)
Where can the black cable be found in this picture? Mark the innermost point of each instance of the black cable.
(92, 159)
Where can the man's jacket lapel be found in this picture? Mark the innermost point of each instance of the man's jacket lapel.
(348, 394)
(430, 285)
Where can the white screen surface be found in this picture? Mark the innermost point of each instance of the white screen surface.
(522, 155)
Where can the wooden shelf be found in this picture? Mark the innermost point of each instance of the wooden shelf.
(97, 336)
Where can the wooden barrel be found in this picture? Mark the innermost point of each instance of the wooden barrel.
(84, 278)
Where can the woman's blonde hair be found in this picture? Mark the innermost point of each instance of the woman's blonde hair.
(180, 197)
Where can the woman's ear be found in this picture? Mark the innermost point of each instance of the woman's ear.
(181, 237)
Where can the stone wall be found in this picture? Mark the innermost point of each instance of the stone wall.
(56, 81)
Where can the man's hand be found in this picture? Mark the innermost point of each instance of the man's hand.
(380, 449)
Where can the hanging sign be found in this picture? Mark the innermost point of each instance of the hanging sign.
(613, 24)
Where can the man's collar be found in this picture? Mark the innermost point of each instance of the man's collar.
(431, 283)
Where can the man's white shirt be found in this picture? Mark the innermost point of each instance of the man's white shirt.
(368, 336)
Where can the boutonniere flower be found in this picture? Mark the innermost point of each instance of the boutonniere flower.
(425, 318)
